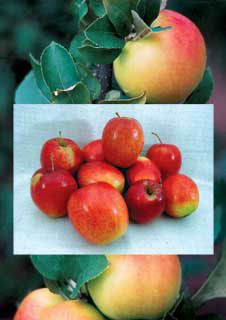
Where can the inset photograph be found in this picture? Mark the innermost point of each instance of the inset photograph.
(98, 179)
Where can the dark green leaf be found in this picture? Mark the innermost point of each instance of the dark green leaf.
(79, 10)
(215, 285)
(137, 100)
(76, 43)
(55, 287)
(218, 219)
(140, 26)
(184, 308)
(58, 67)
(203, 91)
(89, 80)
(102, 33)
(49, 266)
(28, 91)
(78, 94)
(148, 10)
(119, 13)
(97, 7)
(39, 78)
(98, 55)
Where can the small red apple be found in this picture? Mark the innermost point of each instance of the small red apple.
(93, 151)
(181, 195)
(166, 156)
(61, 153)
(145, 201)
(143, 169)
(99, 213)
(50, 191)
(123, 140)
(100, 171)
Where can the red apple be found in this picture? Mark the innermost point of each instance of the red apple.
(100, 171)
(143, 169)
(98, 212)
(93, 151)
(181, 195)
(61, 153)
(123, 140)
(50, 191)
(145, 201)
(166, 156)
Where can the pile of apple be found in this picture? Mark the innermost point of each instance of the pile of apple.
(114, 181)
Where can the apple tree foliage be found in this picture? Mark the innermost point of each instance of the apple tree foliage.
(82, 73)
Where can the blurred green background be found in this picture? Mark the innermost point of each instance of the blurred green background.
(28, 26)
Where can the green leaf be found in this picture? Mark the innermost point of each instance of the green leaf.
(97, 7)
(119, 13)
(140, 26)
(102, 33)
(61, 271)
(113, 95)
(28, 91)
(76, 43)
(137, 100)
(58, 67)
(184, 308)
(148, 10)
(39, 78)
(218, 221)
(215, 286)
(79, 9)
(78, 94)
(98, 55)
(89, 80)
(203, 91)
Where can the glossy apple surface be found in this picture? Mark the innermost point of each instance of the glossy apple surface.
(181, 195)
(166, 65)
(35, 302)
(50, 191)
(145, 201)
(93, 151)
(98, 212)
(137, 286)
(143, 169)
(123, 141)
(100, 171)
(61, 153)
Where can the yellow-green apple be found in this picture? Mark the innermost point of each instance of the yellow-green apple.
(167, 157)
(100, 171)
(99, 213)
(93, 151)
(181, 195)
(137, 286)
(145, 201)
(70, 310)
(166, 65)
(50, 191)
(122, 140)
(35, 302)
(61, 153)
(143, 169)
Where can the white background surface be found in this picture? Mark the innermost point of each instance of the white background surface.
(190, 127)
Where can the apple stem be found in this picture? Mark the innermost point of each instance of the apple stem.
(117, 114)
(60, 133)
(52, 163)
(157, 136)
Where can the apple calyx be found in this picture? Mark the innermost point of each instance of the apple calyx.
(158, 137)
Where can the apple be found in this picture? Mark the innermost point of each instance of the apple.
(93, 151)
(61, 153)
(77, 309)
(50, 191)
(99, 213)
(137, 286)
(181, 195)
(166, 65)
(167, 157)
(145, 201)
(35, 302)
(122, 140)
(100, 171)
(143, 169)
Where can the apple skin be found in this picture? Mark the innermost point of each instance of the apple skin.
(137, 286)
(181, 195)
(167, 157)
(145, 201)
(93, 151)
(61, 153)
(77, 309)
(50, 191)
(35, 302)
(166, 65)
(99, 213)
(123, 141)
(143, 169)
(100, 171)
